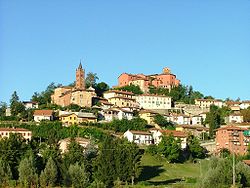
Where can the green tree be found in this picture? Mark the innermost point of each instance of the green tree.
(219, 173)
(195, 149)
(161, 121)
(27, 172)
(132, 88)
(74, 154)
(12, 150)
(5, 173)
(3, 107)
(44, 98)
(78, 175)
(16, 107)
(91, 79)
(246, 115)
(214, 119)
(170, 148)
(100, 88)
(105, 163)
(48, 176)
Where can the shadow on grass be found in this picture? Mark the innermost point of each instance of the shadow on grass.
(149, 172)
(166, 182)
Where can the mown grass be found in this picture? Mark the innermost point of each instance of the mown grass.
(157, 172)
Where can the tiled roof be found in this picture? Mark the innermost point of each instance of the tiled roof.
(246, 162)
(230, 127)
(119, 91)
(13, 129)
(119, 97)
(141, 132)
(43, 112)
(175, 133)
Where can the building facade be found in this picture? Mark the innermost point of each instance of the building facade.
(149, 101)
(25, 133)
(235, 139)
(206, 103)
(165, 80)
(65, 95)
(139, 137)
(121, 98)
(74, 118)
(40, 115)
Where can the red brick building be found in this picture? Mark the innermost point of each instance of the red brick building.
(235, 139)
(165, 80)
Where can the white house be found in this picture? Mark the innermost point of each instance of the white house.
(149, 101)
(139, 137)
(157, 136)
(25, 133)
(40, 115)
(117, 113)
(30, 104)
(63, 144)
(196, 120)
(206, 103)
(235, 118)
(244, 104)
(180, 119)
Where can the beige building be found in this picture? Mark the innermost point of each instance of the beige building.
(121, 98)
(79, 95)
(40, 115)
(149, 101)
(73, 118)
(206, 103)
(63, 144)
(25, 133)
(148, 115)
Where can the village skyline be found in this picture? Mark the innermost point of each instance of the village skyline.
(205, 44)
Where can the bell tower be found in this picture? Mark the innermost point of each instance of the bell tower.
(80, 77)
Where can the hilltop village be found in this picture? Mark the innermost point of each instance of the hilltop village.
(145, 110)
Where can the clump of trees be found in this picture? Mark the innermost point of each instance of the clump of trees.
(180, 93)
(170, 149)
(161, 121)
(220, 174)
(246, 114)
(132, 88)
(216, 117)
(29, 164)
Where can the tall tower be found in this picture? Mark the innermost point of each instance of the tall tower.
(80, 77)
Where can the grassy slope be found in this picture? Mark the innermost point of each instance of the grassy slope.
(158, 172)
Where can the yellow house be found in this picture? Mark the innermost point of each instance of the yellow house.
(148, 116)
(77, 117)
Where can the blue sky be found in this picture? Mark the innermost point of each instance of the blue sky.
(205, 43)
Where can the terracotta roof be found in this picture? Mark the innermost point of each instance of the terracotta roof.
(147, 111)
(198, 127)
(13, 129)
(119, 97)
(248, 101)
(119, 91)
(43, 112)
(80, 115)
(153, 95)
(175, 133)
(215, 100)
(141, 132)
(230, 127)
(246, 162)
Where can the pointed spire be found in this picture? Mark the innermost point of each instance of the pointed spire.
(80, 65)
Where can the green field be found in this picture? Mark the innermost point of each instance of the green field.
(157, 172)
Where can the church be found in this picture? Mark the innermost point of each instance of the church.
(66, 95)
